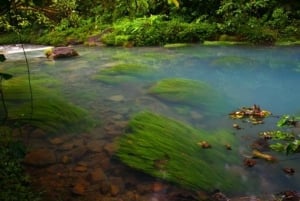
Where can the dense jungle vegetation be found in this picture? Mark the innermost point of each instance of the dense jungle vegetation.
(148, 22)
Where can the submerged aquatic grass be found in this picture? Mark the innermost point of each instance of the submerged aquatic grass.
(51, 112)
(170, 150)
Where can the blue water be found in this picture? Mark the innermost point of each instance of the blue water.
(266, 76)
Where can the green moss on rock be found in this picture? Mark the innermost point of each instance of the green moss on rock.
(170, 150)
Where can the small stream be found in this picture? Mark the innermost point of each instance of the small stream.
(266, 76)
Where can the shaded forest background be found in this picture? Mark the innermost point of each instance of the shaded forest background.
(149, 22)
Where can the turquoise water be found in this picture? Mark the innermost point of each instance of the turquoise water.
(266, 76)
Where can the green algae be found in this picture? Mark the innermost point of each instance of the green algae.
(169, 149)
(224, 43)
(189, 92)
(122, 73)
(176, 45)
(234, 62)
(48, 110)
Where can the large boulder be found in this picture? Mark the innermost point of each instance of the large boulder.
(61, 52)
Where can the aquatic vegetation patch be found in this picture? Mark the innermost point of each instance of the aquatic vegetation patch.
(173, 151)
(123, 72)
(176, 45)
(233, 62)
(189, 92)
(48, 110)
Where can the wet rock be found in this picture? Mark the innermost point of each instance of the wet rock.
(97, 175)
(132, 195)
(98, 160)
(144, 188)
(219, 196)
(158, 187)
(114, 189)
(65, 159)
(79, 188)
(77, 153)
(38, 133)
(117, 117)
(40, 157)
(61, 52)
(104, 187)
(116, 98)
(116, 185)
(94, 40)
(110, 148)
(95, 146)
(70, 143)
(81, 167)
(56, 141)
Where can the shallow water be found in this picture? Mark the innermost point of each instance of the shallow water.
(266, 76)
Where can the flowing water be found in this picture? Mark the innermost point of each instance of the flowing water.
(266, 76)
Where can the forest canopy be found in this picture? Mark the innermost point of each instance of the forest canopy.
(255, 21)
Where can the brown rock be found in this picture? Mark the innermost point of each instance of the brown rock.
(65, 159)
(110, 148)
(80, 168)
(56, 141)
(40, 157)
(104, 187)
(79, 188)
(61, 52)
(38, 133)
(97, 175)
(116, 185)
(77, 153)
(114, 189)
(95, 146)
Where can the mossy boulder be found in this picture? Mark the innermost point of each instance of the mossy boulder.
(188, 92)
(171, 150)
(50, 111)
(123, 73)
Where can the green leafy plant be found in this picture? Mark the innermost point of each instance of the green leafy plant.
(13, 180)
(287, 141)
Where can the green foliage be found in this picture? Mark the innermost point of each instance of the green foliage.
(151, 22)
(286, 141)
(170, 150)
(13, 180)
(155, 30)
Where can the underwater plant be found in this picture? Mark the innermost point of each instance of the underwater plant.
(189, 92)
(174, 151)
(122, 73)
(50, 111)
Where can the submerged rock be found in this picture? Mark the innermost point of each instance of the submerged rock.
(40, 157)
